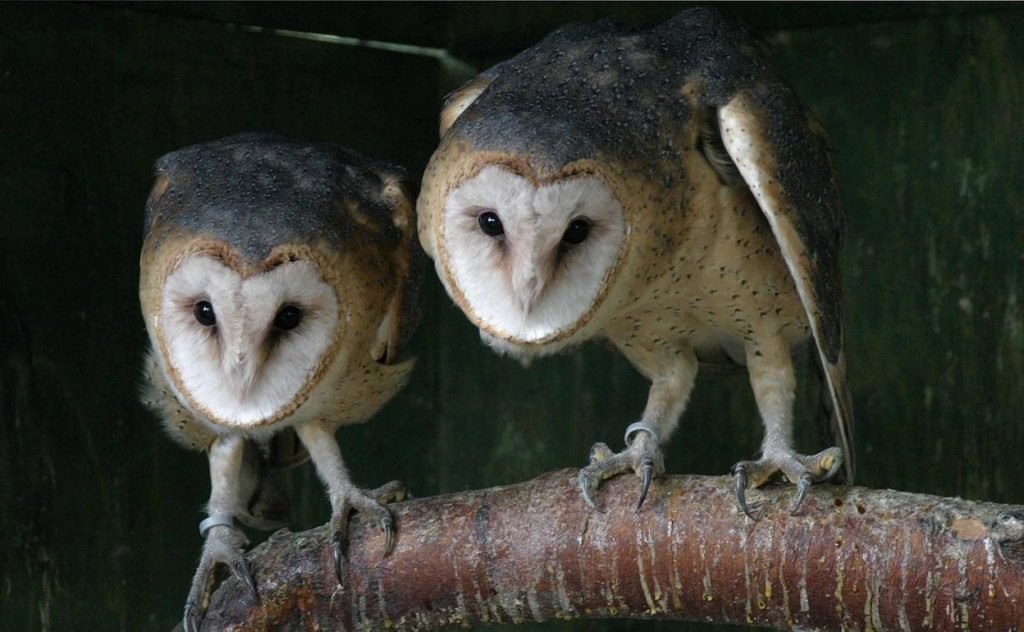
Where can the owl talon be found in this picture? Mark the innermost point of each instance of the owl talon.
(647, 473)
(368, 502)
(642, 456)
(338, 554)
(224, 545)
(802, 486)
(805, 471)
(587, 484)
(387, 493)
(192, 618)
(241, 570)
(388, 525)
(740, 474)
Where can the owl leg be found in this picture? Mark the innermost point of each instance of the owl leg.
(225, 542)
(346, 497)
(771, 376)
(672, 382)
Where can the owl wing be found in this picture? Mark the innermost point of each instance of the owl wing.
(409, 262)
(458, 101)
(783, 157)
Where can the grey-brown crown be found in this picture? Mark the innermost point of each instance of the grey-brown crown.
(256, 191)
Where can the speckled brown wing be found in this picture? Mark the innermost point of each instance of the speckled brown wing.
(409, 263)
(783, 157)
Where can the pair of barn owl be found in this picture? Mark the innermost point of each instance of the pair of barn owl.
(663, 190)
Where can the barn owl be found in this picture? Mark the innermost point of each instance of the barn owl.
(663, 190)
(278, 285)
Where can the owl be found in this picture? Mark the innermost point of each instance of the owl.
(278, 282)
(663, 190)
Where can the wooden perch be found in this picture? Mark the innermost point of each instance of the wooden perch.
(853, 559)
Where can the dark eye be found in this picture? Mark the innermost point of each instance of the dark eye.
(203, 311)
(288, 318)
(490, 223)
(577, 231)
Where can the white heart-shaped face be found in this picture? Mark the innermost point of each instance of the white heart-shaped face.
(531, 262)
(243, 351)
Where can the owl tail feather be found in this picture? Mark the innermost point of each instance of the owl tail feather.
(835, 425)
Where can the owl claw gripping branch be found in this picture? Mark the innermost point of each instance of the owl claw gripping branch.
(278, 283)
(642, 455)
(663, 190)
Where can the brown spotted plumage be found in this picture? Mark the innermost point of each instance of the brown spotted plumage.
(278, 282)
(662, 189)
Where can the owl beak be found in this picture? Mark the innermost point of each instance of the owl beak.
(527, 288)
(243, 366)
(533, 272)
(530, 281)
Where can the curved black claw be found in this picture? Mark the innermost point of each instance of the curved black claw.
(642, 457)
(646, 474)
(338, 551)
(370, 505)
(587, 484)
(375, 501)
(740, 478)
(192, 618)
(241, 570)
(802, 485)
(388, 525)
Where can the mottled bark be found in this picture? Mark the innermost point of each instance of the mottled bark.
(853, 559)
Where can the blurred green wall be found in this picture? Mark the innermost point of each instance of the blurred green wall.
(98, 510)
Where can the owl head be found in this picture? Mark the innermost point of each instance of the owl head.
(523, 238)
(269, 268)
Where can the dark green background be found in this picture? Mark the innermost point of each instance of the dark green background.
(98, 510)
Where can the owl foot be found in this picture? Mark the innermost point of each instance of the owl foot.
(642, 455)
(224, 545)
(798, 468)
(370, 502)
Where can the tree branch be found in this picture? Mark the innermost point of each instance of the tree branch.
(853, 558)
